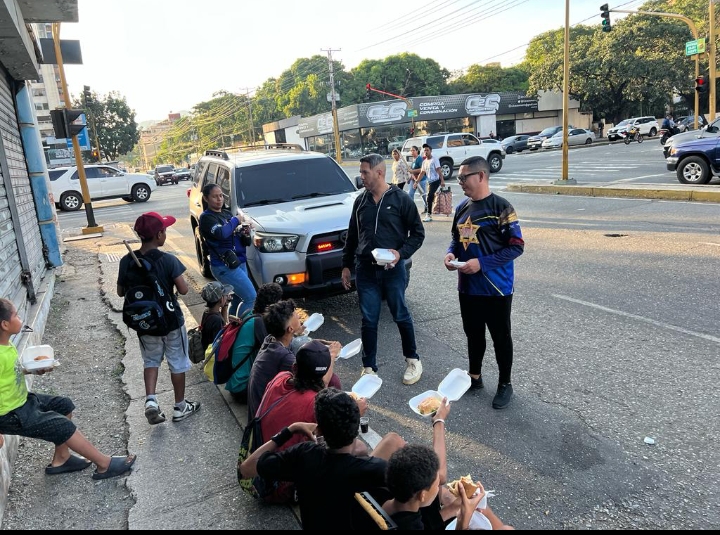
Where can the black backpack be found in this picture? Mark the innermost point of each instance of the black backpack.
(149, 307)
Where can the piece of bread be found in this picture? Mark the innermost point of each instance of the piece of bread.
(467, 482)
(354, 396)
(429, 405)
(42, 357)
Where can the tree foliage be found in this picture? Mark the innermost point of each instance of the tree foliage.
(111, 122)
(490, 78)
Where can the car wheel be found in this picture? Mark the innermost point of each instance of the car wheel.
(127, 199)
(588, 141)
(71, 201)
(653, 132)
(510, 150)
(693, 170)
(140, 193)
(447, 168)
(202, 255)
(495, 162)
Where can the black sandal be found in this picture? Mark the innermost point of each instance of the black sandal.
(119, 465)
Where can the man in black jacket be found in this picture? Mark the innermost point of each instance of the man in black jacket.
(383, 217)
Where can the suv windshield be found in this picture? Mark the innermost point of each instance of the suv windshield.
(294, 179)
(626, 121)
(165, 169)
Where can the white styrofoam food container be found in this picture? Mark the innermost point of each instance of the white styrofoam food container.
(457, 263)
(477, 521)
(455, 384)
(314, 322)
(31, 352)
(351, 349)
(367, 386)
(383, 256)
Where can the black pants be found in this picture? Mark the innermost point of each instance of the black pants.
(477, 311)
(432, 189)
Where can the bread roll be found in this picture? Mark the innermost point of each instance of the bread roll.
(465, 481)
(42, 357)
(429, 405)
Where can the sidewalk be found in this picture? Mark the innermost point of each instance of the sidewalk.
(185, 475)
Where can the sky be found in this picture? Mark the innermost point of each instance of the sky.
(167, 56)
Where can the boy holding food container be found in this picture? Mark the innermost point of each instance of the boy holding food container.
(45, 417)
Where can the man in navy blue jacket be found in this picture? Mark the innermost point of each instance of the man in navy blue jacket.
(486, 240)
(383, 217)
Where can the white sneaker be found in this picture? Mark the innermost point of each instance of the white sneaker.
(191, 407)
(153, 413)
(368, 371)
(427, 219)
(413, 372)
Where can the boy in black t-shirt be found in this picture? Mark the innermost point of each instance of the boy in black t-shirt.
(217, 296)
(173, 347)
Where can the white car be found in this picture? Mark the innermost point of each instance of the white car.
(647, 125)
(104, 182)
(576, 136)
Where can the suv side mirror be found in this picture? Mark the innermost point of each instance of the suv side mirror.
(358, 182)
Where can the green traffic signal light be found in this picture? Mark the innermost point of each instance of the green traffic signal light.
(605, 15)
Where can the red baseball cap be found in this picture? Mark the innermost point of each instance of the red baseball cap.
(149, 224)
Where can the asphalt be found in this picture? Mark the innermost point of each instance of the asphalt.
(185, 474)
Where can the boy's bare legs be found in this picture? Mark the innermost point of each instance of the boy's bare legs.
(79, 444)
(178, 382)
(151, 376)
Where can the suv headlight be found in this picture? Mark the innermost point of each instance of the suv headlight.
(673, 151)
(275, 243)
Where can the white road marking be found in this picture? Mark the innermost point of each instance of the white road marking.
(640, 318)
(710, 243)
(637, 178)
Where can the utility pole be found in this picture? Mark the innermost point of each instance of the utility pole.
(712, 52)
(336, 128)
(564, 179)
(92, 227)
(252, 120)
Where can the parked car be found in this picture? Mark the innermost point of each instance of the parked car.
(299, 204)
(576, 136)
(396, 143)
(688, 123)
(647, 125)
(164, 174)
(710, 131)
(452, 149)
(535, 142)
(695, 161)
(181, 173)
(104, 182)
(516, 143)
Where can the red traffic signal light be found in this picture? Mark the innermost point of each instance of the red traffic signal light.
(701, 85)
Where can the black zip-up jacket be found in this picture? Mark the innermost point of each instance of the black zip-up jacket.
(392, 223)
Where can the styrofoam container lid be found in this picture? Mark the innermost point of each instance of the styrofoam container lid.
(367, 386)
(32, 352)
(455, 384)
(314, 322)
(383, 256)
(351, 349)
(477, 521)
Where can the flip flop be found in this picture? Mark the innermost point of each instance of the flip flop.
(119, 465)
(73, 464)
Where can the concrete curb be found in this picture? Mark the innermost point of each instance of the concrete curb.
(668, 193)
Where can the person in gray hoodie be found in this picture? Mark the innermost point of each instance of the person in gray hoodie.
(383, 217)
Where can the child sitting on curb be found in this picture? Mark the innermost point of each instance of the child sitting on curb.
(45, 417)
(217, 297)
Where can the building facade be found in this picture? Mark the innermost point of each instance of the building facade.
(380, 126)
(28, 231)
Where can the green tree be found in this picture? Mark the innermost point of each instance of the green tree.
(490, 78)
(111, 122)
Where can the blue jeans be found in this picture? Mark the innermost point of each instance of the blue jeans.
(244, 297)
(373, 282)
(422, 188)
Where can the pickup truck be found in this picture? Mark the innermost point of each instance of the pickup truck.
(695, 161)
(165, 174)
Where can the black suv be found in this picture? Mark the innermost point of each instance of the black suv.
(165, 174)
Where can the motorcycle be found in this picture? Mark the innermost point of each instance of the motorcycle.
(666, 133)
(632, 135)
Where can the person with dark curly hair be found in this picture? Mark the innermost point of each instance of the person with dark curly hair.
(328, 475)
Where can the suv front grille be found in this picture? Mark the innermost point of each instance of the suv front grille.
(324, 243)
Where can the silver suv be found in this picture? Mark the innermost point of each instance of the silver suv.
(452, 149)
(299, 203)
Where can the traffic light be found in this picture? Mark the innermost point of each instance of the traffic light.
(58, 121)
(74, 121)
(701, 85)
(96, 155)
(367, 91)
(87, 97)
(605, 15)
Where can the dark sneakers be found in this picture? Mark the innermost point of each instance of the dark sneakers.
(476, 384)
(503, 396)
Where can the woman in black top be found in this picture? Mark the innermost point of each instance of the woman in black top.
(228, 261)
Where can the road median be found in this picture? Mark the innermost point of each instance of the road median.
(669, 192)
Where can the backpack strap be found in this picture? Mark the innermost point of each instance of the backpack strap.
(278, 400)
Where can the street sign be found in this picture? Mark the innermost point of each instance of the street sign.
(330, 96)
(412, 113)
(695, 47)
